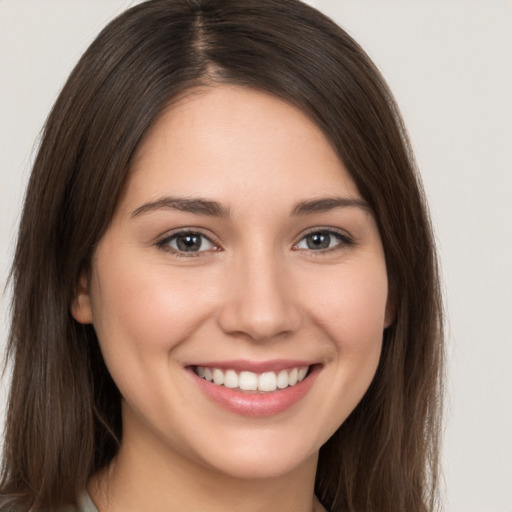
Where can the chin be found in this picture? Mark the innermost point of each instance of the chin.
(262, 466)
(264, 453)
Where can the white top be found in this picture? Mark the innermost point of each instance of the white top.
(84, 505)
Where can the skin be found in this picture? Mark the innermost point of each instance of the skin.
(254, 291)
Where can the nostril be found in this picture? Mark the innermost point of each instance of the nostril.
(259, 320)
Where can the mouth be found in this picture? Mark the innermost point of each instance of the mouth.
(264, 382)
(255, 389)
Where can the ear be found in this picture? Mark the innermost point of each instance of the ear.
(81, 309)
(390, 313)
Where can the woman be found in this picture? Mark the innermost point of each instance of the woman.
(225, 286)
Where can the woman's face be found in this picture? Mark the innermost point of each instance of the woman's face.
(241, 251)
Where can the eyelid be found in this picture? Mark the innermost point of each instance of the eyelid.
(164, 241)
(345, 239)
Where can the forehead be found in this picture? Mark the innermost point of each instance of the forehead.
(229, 142)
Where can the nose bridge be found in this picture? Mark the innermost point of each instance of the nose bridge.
(258, 303)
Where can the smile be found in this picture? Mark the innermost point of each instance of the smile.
(255, 389)
(251, 381)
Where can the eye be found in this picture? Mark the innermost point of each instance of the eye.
(187, 242)
(323, 240)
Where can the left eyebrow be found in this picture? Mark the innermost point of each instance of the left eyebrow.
(196, 206)
(327, 204)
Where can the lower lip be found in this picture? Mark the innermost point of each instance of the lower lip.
(255, 404)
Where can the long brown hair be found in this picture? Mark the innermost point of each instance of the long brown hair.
(64, 415)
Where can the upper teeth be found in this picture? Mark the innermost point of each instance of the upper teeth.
(249, 381)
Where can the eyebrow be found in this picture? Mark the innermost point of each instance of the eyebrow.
(197, 206)
(210, 208)
(327, 204)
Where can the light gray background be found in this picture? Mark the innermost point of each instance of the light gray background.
(449, 64)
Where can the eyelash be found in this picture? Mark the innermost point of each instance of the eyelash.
(344, 241)
(164, 244)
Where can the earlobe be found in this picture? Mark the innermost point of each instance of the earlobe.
(81, 306)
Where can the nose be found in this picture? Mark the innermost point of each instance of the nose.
(259, 302)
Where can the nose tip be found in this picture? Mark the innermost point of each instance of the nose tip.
(259, 305)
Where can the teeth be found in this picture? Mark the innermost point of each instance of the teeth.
(230, 379)
(250, 381)
(218, 377)
(292, 378)
(282, 379)
(267, 381)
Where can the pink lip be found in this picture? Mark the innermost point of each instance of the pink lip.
(254, 404)
(240, 365)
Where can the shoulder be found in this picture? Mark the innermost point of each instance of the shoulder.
(85, 504)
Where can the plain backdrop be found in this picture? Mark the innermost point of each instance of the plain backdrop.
(449, 63)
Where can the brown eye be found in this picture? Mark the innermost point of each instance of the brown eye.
(190, 242)
(318, 241)
(323, 240)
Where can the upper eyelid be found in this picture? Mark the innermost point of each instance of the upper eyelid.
(184, 231)
(167, 237)
(346, 240)
(324, 229)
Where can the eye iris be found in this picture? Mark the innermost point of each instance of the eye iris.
(318, 241)
(189, 242)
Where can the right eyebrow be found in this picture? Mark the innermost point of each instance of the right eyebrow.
(197, 206)
(327, 204)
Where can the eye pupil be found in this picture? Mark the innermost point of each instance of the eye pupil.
(189, 242)
(318, 241)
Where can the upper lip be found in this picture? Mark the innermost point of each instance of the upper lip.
(241, 365)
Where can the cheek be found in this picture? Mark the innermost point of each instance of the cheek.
(147, 310)
(347, 305)
(351, 306)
